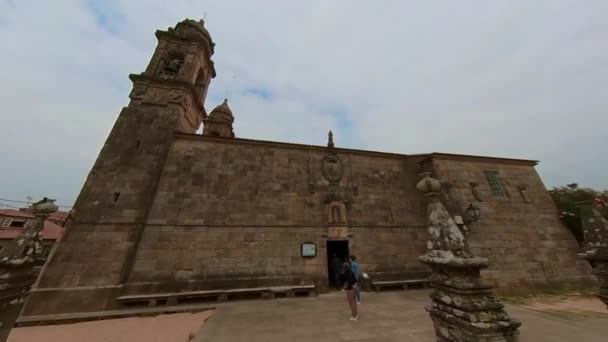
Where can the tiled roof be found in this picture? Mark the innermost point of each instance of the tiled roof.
(57, 217)
(15, 213)
(51, 230)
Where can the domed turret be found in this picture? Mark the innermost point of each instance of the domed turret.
(222, 113)
(219, 122)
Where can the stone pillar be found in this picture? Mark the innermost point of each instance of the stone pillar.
(19, 263)
(595, 245)
(464, 306)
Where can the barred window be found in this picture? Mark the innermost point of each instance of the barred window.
(494, 182)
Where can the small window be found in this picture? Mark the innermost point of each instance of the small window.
(7, 222)
(116, 196)
(18, 224)
(495, 184)
(13, 223)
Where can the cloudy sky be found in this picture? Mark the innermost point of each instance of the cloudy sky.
(521, 79)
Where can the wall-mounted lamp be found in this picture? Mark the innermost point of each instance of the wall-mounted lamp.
(473, 212)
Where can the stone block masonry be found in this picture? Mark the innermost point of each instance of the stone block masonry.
(232, 213)
(519, 231)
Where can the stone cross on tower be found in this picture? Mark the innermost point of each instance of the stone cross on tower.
(464, 306)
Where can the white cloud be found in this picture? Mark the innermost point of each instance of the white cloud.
(510, 78)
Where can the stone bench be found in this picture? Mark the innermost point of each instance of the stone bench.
(174, 298)
(405, 284)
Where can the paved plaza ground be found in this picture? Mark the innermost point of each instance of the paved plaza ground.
(178, 327)
(386, 317)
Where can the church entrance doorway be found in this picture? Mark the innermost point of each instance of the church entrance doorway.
(339, 249)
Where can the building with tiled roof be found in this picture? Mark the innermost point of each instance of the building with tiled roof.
(13, 222)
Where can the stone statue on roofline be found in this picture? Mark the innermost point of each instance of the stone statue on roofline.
(330, 139)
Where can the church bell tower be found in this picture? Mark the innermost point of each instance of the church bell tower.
(112, 208)
(178, 74)
(167, 97)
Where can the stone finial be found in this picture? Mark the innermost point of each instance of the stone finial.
(22, 257)
(46, 206)
(26, 248)
(595, 245)
(464, 307)
(595, 229)
(330, 139)
(429, 186)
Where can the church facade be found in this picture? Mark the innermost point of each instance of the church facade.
(166, 209)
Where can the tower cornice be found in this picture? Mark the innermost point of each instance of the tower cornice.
(152, 80)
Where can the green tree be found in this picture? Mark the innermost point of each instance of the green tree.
(567, 199)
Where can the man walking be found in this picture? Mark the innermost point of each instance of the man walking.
(354, 266)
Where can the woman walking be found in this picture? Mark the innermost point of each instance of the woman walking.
(354, 266)
(350, 284)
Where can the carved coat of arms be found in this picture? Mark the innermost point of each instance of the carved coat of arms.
(332, 168)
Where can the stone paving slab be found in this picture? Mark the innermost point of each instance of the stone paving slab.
(177, 327)
(387, 316)
(23, 321)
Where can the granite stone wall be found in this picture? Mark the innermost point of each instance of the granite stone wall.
(519, 232)
(217, 181)
(230, 213)
(218, 257)
(235, 257)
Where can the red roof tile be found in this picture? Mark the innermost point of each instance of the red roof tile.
(15, 213)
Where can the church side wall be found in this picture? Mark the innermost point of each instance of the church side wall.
(390, 253)
(216, 257)
(233, 214)
(520, 233)
(226, 182)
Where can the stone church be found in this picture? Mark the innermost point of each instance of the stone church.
(165, 209)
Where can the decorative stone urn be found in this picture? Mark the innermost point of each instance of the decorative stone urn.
(464, 306)
(595, 245)
(45, 207)
(428, 186)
